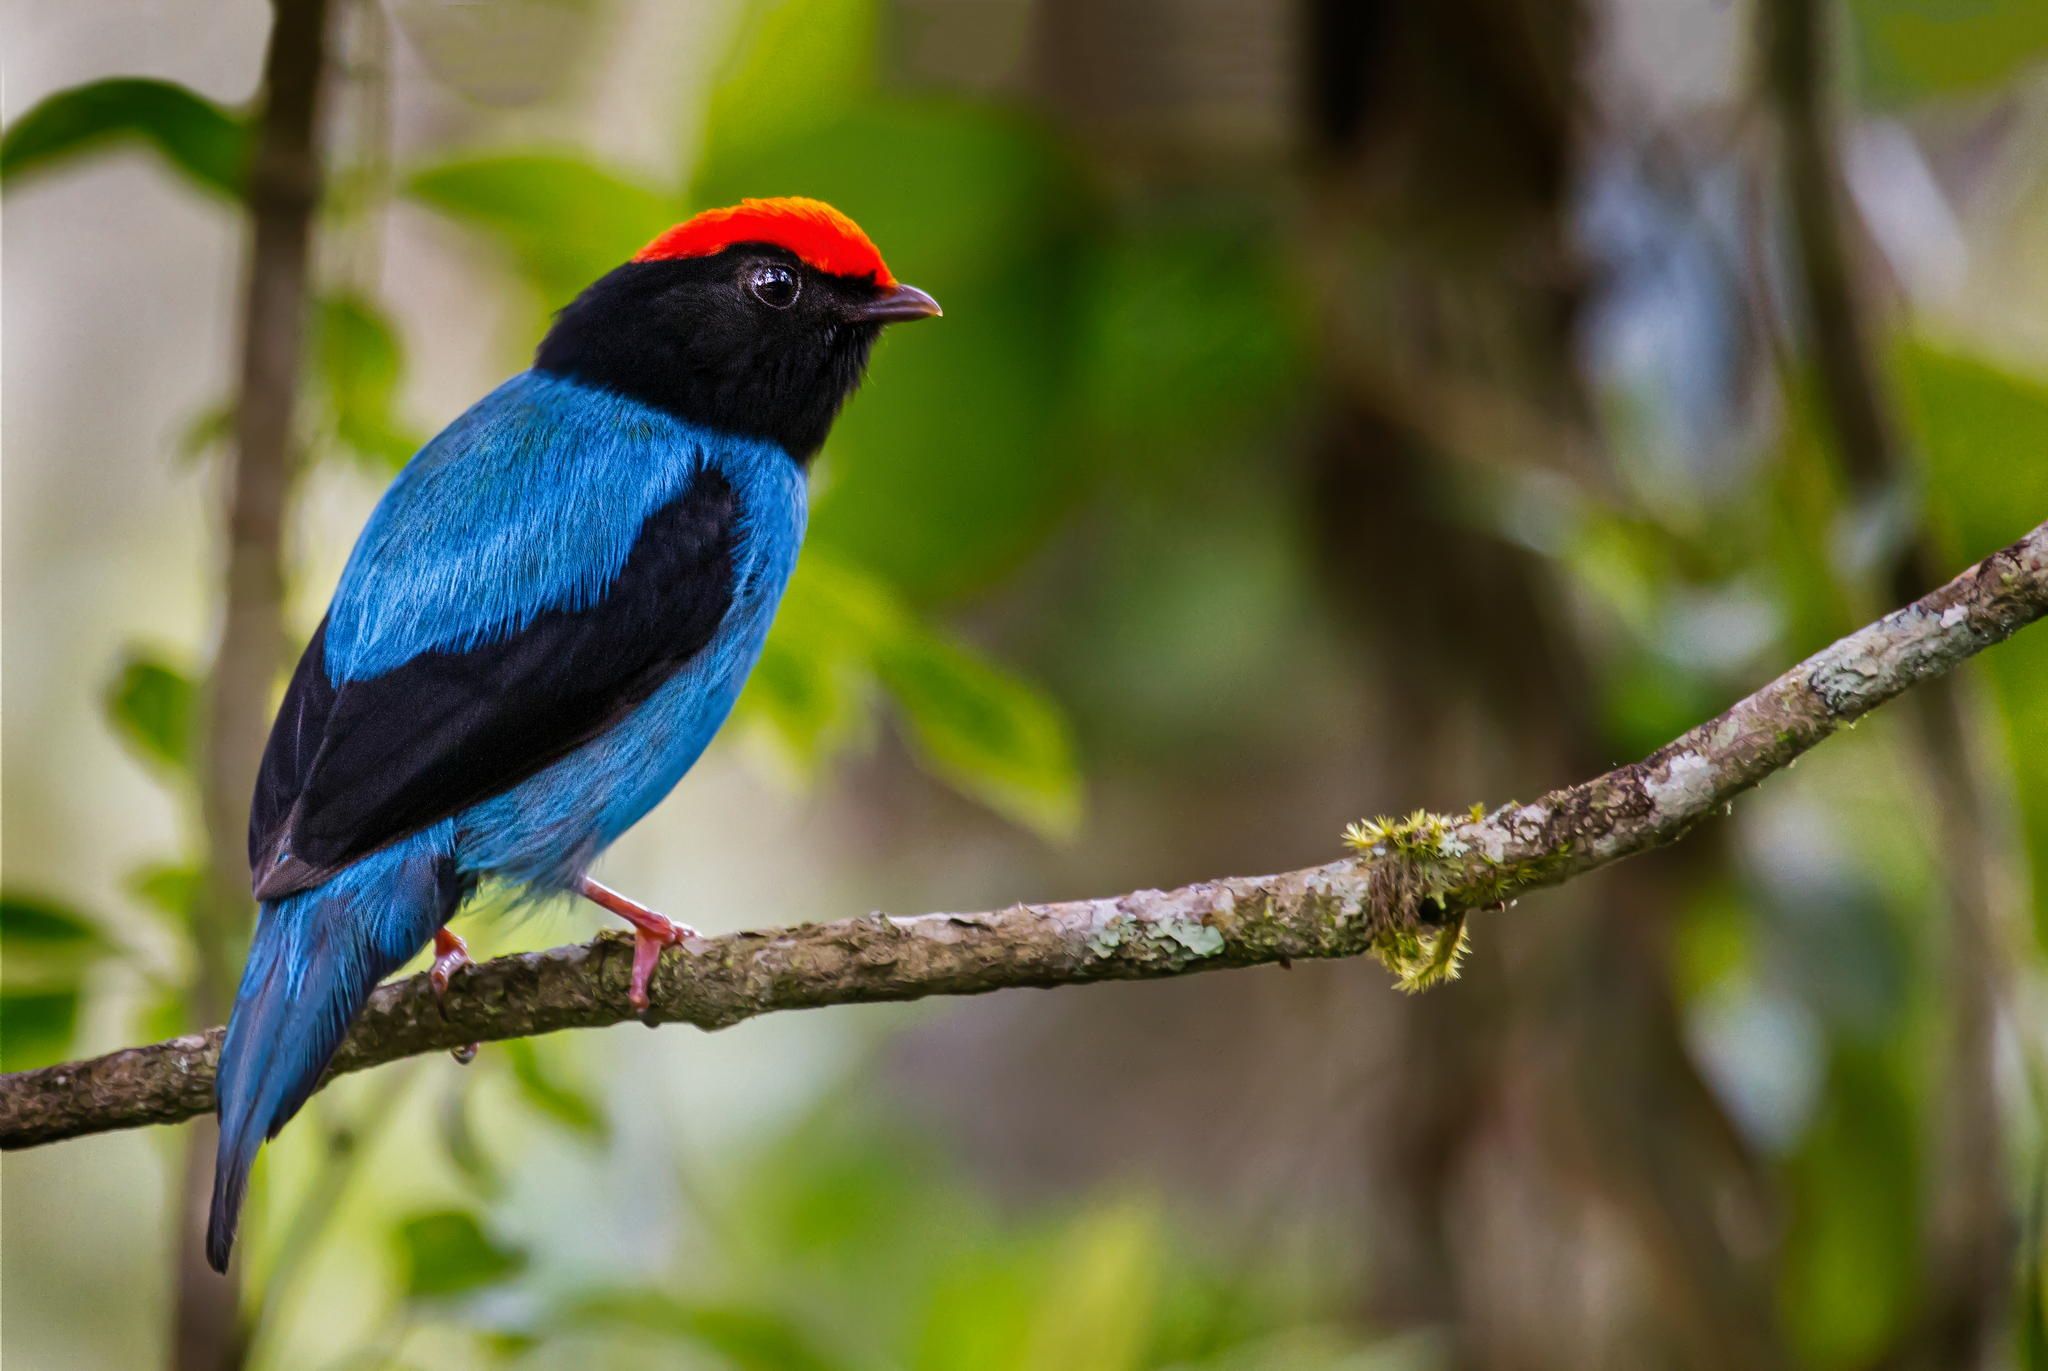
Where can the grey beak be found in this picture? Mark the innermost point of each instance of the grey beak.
(894, 305)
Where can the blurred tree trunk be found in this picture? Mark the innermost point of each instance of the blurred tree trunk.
(1445, 137)
(283, 190)
(1968, 1256)
(1504, 1148)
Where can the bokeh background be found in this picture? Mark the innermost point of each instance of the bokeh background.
(1341, 406)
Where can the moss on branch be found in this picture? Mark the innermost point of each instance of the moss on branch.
(1404, 895)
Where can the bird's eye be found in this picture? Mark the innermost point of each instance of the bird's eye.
(774, 285)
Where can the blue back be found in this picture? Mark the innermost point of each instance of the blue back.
(531, 502)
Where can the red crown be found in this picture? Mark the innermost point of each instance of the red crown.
(817, 233)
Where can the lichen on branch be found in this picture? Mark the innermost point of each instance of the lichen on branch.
(1404, 897)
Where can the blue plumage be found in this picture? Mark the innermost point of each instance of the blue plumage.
(545, 831)
(450, 559)
(546, 619)
(529, 503)
(314, 959)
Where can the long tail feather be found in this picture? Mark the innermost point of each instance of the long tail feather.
(315, 958)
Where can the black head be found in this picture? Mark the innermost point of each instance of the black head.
(750, 339)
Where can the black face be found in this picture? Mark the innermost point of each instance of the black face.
(748, 341)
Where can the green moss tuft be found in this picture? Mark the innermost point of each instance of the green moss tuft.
(1422, 860)
(1419, 860)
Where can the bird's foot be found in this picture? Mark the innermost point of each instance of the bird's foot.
(647, 945)
(451, 954)
(652, 932)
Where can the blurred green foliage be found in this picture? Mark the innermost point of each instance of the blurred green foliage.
(841, 633)
(1851, 1284)
(151, 703)
(1984, 432)
(1115, 405)
(858, 1248)
(1912, 50)
(562, 221)
(448, 1254)
(548, 1091)
(47, 952)
(358, 363)
(203, 142)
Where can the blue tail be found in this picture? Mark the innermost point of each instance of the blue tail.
(315, 958)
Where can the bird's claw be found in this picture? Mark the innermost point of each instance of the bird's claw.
(451, 954)
(652, 932)
(649, 938)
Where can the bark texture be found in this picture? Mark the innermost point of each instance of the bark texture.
(1338, 910)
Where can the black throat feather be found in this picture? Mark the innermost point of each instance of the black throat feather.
(685, 337)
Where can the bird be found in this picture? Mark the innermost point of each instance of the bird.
(544, 620)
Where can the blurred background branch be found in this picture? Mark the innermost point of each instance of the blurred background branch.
(281, 190)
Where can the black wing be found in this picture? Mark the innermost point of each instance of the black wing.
(352, 767)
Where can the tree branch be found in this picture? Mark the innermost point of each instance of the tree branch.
(1338, 910)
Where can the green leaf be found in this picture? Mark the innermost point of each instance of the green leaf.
(36, 1027)
(815, 678)
(359, 361)
(980, 1309)
(1712, 946)
(152, 706)
(1982, 429)
(206, 143)
(747, 1338)
(30, 925)
(172, 889)
(447, 1254)
(541, 1088)
(46, 949)
(985, 732)
(1911, 50)
(975, 726)
(797, 63)
(812, 703)
(45, 945)
(564, 221)
(211, 427)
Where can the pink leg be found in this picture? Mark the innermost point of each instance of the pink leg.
(651, 933)
(451, 954)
